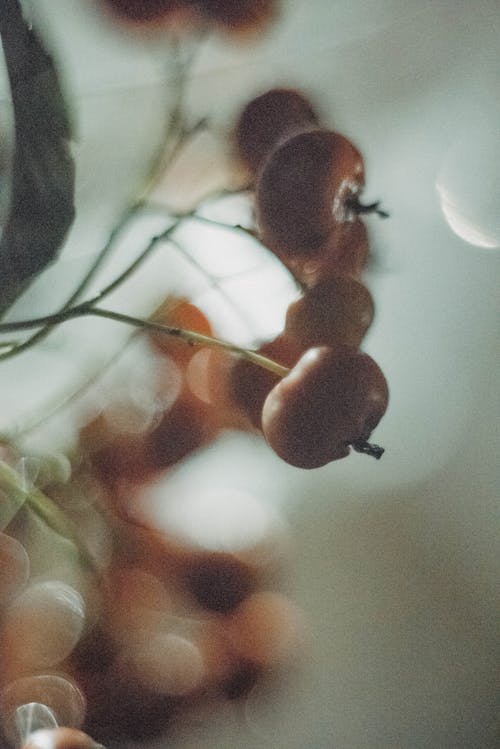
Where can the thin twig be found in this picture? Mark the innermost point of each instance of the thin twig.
(188, 336)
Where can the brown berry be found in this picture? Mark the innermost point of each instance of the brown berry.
(267, 120)
(306, 186)
(338, 310)
(331, 400)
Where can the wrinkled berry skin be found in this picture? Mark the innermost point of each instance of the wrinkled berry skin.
(332, 398)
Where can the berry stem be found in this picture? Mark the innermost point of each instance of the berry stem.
(194, 339)
(367, 448)
(190, 337)
(365, 208)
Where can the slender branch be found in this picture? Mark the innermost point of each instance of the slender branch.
(209, 197)
(76, 392)
(169, 148)
(188, 336)
(213, 281)
(195, 339)
(222, 225)
(130, 269)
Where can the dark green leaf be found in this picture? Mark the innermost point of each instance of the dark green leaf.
(43, 172)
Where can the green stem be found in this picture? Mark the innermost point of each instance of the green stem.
(196, 339)
(135, 263)
(188, 336)
(15, 495)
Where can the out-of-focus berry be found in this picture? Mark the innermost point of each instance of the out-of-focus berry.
(60, 738)
(338, 310)
(267, 120)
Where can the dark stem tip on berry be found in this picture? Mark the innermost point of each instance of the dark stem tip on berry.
(364, 208)
(361, 446)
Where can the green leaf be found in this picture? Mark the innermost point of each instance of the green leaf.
(43, 170)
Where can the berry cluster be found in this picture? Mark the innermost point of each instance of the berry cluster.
(308, 182)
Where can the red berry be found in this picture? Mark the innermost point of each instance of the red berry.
(184, 428)
(218, 581)
(242, 680)
(144, 11)
(243, 16)
(344, 253)
(267, 120)
(249, 385)
(338, 310)
(306, 186)
(332, 399)
(114, 456)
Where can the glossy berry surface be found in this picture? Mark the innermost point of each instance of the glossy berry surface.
(332, 399)
(304, 188)
(338, 310)
(267, 120)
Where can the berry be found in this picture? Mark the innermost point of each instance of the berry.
(144, 11)
(184, 428)
(218, 581)
(331, 400)
(242, 680)
(59, 738)
(338, 310)
(244, 16)
(344, 253)
(307, 184)
(267, 120)
(249, 385)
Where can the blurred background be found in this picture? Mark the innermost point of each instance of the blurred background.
(394, 564)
